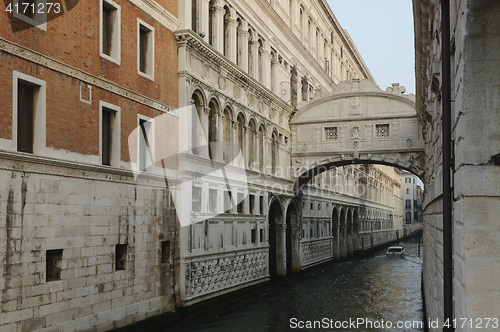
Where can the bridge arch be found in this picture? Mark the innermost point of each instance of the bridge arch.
(357, 123)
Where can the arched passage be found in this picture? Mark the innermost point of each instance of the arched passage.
(357, 123)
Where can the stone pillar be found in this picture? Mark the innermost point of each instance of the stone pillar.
(204, 11)
(265, 57)
(243, 48)
(268, 169)
(219, 155)
(234, 139)
(253, 69)
(232, 35)
(244, 148)
(184, 11)
(274, 76)
(203, 135)
(350, 249)
(281, 248)
(255, 149)
(218, 29)
(343, 239)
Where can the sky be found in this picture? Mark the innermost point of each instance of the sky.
(383, 33)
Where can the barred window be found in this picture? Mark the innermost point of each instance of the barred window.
(331, 133)
(382, 130)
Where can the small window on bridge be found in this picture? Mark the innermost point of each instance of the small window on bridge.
(382, 130)
(331, 133)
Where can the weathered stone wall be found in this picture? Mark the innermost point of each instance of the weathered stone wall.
(475, 29)
(85, 212)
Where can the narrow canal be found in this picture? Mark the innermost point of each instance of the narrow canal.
(380, 289)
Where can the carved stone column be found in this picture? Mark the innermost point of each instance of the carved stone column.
(243, 45)
(349, 239)
(219, 149)
(218, 29)
(244, 148)
(204, 12)
(203, 135)
(234, 140)
(265, 58)
(268, 169)
(343, 237)
(253, 69)
(336, 243)
(232, 35)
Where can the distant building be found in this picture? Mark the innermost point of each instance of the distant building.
(412, 195)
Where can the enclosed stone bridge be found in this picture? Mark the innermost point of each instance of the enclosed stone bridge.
(358, 123)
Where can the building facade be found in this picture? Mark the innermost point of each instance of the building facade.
(84, 244)
(145, 153)
(475, 113)
(245, 67)
(412, 196)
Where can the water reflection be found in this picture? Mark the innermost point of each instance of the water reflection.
(378, 288)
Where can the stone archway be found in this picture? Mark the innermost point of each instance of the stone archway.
(357, 123)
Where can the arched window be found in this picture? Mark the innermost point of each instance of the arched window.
(227, 17)
(240, 131)
(197, 130)
(211, 22)
(261, 147)
(227, 135)
(251, 143)
(212, 128)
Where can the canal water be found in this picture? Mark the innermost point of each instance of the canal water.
(385, 291)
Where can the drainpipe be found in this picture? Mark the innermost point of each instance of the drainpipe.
(447, 199)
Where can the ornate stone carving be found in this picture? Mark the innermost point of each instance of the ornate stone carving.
(355, 132)
(316, 251)
(222, 82)
(355, 105)
(237, 91)
(212, 274)
(204, 71)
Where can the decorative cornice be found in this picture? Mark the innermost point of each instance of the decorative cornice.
(201, 83)
(158, 13)
(208, 53)
(60, 67)
(27, 163)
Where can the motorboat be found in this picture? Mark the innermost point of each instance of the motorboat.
(397, 250)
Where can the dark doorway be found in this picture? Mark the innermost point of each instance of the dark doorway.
(291, 219)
